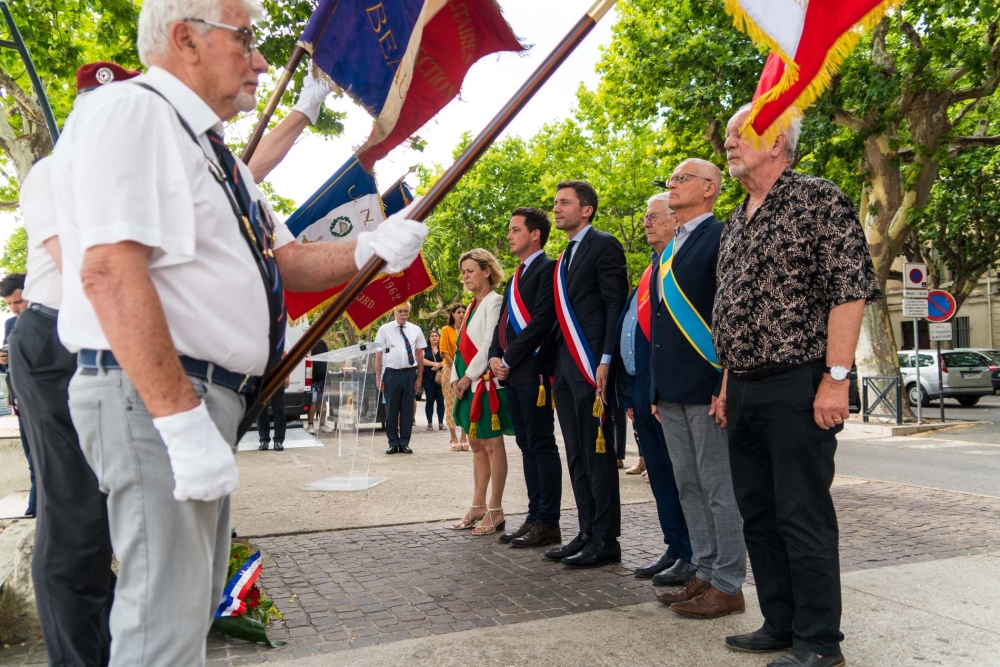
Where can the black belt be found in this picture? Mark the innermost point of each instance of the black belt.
(768, 370)
(44, 310)
(203, 370)
(402, 370)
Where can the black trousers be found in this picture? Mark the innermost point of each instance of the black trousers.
(276, 410)
(71, 565)
(782, 465)
(615, 431)
(433, 395)
(534, 431)
(400, 389)
(594, 476)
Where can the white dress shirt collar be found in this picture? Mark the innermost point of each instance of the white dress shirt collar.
(682, 232)
(531, 258)
(195, 112)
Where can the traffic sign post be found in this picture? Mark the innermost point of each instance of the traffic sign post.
(915, 306)
(914, 281)
(941, 307)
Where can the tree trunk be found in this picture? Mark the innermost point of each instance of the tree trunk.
(876, 355)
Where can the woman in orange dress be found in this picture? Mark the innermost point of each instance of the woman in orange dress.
(448, 347)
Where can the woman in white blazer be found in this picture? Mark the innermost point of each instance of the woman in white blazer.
(481, 408)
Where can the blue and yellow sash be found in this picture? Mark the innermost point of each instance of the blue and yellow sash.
(685, 315)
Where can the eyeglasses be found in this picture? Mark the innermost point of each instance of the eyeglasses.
(247, 37)
(653, 217)
(684, 178)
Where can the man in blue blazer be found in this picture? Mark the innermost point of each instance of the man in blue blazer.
(629, 377)
(685, 378)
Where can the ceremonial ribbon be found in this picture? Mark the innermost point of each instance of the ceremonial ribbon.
(233, 596)
(685, 315)
(576, 343)
(517, 312)
(467, 350)
(643, 310)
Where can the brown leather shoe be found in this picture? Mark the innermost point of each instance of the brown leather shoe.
(510, 535)
(692, 589)
(712, 603)
(538, 536)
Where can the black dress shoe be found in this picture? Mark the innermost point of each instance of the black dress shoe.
(576, 546)
(538, 536)
(758, 641)
(676, 575)
(800, 657)
(598, 552)
(512, 534)
(405, 449)
(279, 446)
(393, 449)
(263, 446)
(662, 563)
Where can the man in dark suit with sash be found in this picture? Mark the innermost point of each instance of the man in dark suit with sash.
(685, 380)
(629, 378)
(591, 284)
(520, 356)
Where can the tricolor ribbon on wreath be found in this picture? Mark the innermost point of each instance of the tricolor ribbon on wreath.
(519, 318)
(235, 593)
(488, 386)
(685, 315)
(577, 344)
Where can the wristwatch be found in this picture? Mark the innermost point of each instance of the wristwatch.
(838, 373)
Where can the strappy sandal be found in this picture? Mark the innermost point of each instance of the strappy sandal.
(467, 524)
(489, 530)
(455, 447)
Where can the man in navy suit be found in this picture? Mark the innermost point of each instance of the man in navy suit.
(520, 358)
(629, 377)
(685, 380)
(595, 289)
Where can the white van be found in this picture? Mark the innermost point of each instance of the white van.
(299, 392)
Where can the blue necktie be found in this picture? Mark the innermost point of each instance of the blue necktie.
(409, 349)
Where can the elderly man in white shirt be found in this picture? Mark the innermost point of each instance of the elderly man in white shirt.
(399, 365)
(173, 267)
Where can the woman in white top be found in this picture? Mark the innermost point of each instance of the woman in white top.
(481, 408)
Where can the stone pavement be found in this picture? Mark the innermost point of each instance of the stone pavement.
(345, 590)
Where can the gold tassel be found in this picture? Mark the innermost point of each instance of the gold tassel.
(495, 422)
(597, 406)
(541, 397)
(473, 431)
(553, 400)
(601, 449)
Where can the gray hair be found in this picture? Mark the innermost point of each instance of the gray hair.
(792, 132)
(157, 16)
(662, 197)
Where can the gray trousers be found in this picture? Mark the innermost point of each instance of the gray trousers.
(699, 451)
(172, 555)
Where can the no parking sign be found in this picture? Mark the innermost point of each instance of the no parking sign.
(941, 306)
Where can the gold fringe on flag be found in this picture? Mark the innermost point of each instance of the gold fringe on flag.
(540, 403)
(831, 63)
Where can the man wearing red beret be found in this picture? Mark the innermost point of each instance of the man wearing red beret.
(71, 563)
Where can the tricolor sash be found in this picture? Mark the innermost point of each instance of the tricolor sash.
(572, 332)
(685, 315)
(517, 312)
(643, 310)
(467, 350)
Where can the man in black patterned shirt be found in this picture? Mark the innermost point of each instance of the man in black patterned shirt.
(794, 275)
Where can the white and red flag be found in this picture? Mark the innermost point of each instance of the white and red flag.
(809, 39)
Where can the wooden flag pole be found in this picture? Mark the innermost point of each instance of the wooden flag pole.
(423, 208)
(272, 102)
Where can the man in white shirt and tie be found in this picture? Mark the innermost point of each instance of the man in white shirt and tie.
(399, 365)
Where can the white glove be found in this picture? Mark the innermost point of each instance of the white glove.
(314, 91)
(397, 241)
(203, 462)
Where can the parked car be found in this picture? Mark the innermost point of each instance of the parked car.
(993, 357)
(965, 376)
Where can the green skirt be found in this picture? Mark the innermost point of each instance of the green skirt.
(484, 427)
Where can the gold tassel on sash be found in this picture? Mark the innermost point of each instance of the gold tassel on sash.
(553, 397)
(473, 431)
(495, 422)
(597, 407)
(540, 403)
(601, 449)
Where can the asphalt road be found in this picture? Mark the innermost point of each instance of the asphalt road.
(963, 458)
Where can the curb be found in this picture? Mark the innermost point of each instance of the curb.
(876, 428)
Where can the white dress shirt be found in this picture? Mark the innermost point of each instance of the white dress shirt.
(42, 282)
(389, 336)
(682, 232)
(125, 170)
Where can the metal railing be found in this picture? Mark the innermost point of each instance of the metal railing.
(888, 394)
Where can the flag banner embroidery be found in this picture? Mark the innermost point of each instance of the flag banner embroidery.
(808, 41)
(234, 594)
(403, 60)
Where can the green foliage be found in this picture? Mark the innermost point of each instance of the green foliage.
(15, 252)
(281, 205)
